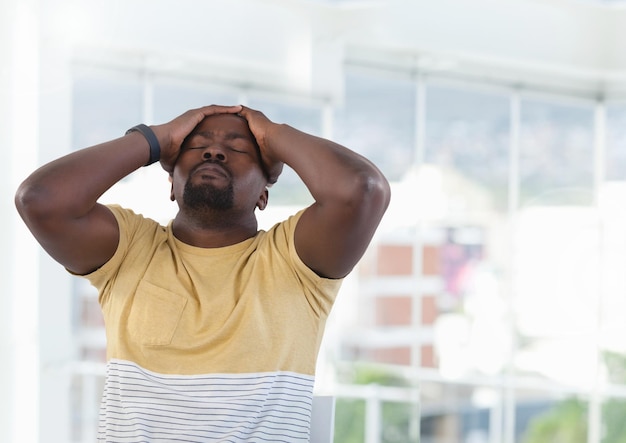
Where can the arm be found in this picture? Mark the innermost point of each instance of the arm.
(350, 193)
(58, 201)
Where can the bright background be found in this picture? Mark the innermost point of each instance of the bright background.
(490, 306)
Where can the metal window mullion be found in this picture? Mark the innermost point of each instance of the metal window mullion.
(508, 391)
(594, 417)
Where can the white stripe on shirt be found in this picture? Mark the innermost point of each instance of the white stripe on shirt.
(143, 406)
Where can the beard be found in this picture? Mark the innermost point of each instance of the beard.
(207, 196)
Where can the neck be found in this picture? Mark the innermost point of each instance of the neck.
(213, 230)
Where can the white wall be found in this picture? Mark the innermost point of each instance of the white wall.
(19, 378)
(7, 231)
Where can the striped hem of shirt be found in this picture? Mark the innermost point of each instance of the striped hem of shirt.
(139, 405)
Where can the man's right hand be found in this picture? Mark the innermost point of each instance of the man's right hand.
(172, 134)
(59, 201)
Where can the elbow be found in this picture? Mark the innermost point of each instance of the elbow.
(379, 190)
(33, 202)
(370, 192)
(382, 188)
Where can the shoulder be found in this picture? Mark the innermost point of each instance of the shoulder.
(281, 234)
(130, 221)
(280, 239)
(138, 234)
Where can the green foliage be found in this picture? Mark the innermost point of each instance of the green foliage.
(397, 422)
(565, 423)
(616, 367)
(365, 375)
(614, 418)
(349, 421)
(350, 414)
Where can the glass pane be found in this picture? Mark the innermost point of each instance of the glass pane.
(613, 426)
(305, 118)
(369, 414)
(613, 302)
(557, 292)
(349, 421)
(290, 190)
(459, 414)
(556, 154)
(398, 424)
(172, 98)
(541, 419)
(105, 104)
(464, 240)
(616, 141)
(467, 135)
(378, 121)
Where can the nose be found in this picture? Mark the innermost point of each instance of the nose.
(214, 153)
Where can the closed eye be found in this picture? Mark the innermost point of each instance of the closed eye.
(230, 148)
(238, 150)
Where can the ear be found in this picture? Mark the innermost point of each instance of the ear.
(171, 188)
(262, 202)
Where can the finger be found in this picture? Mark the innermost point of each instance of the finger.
(246, 112)
(193, 117)
(220, 109)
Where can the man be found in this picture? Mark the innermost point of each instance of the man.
(213, 327)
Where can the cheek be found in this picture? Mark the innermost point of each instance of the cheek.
(256, 179)
(252, 186)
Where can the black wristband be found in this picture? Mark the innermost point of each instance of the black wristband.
(155, 146)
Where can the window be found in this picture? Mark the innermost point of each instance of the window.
(378, 121)
(469, 319)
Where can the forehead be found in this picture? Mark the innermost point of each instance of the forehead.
(228, 125)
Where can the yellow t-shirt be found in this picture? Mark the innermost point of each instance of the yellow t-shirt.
(216, 344)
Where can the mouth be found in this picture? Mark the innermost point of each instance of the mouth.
(210, 169)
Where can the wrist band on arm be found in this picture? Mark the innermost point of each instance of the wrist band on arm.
(155, 147)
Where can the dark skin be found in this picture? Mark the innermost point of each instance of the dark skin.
(222, 145)
(221, 150)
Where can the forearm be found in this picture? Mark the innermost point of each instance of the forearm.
(72, 184)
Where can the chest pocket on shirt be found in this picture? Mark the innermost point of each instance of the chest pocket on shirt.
(155, 315)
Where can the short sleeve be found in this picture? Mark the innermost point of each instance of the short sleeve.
(320, 292)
